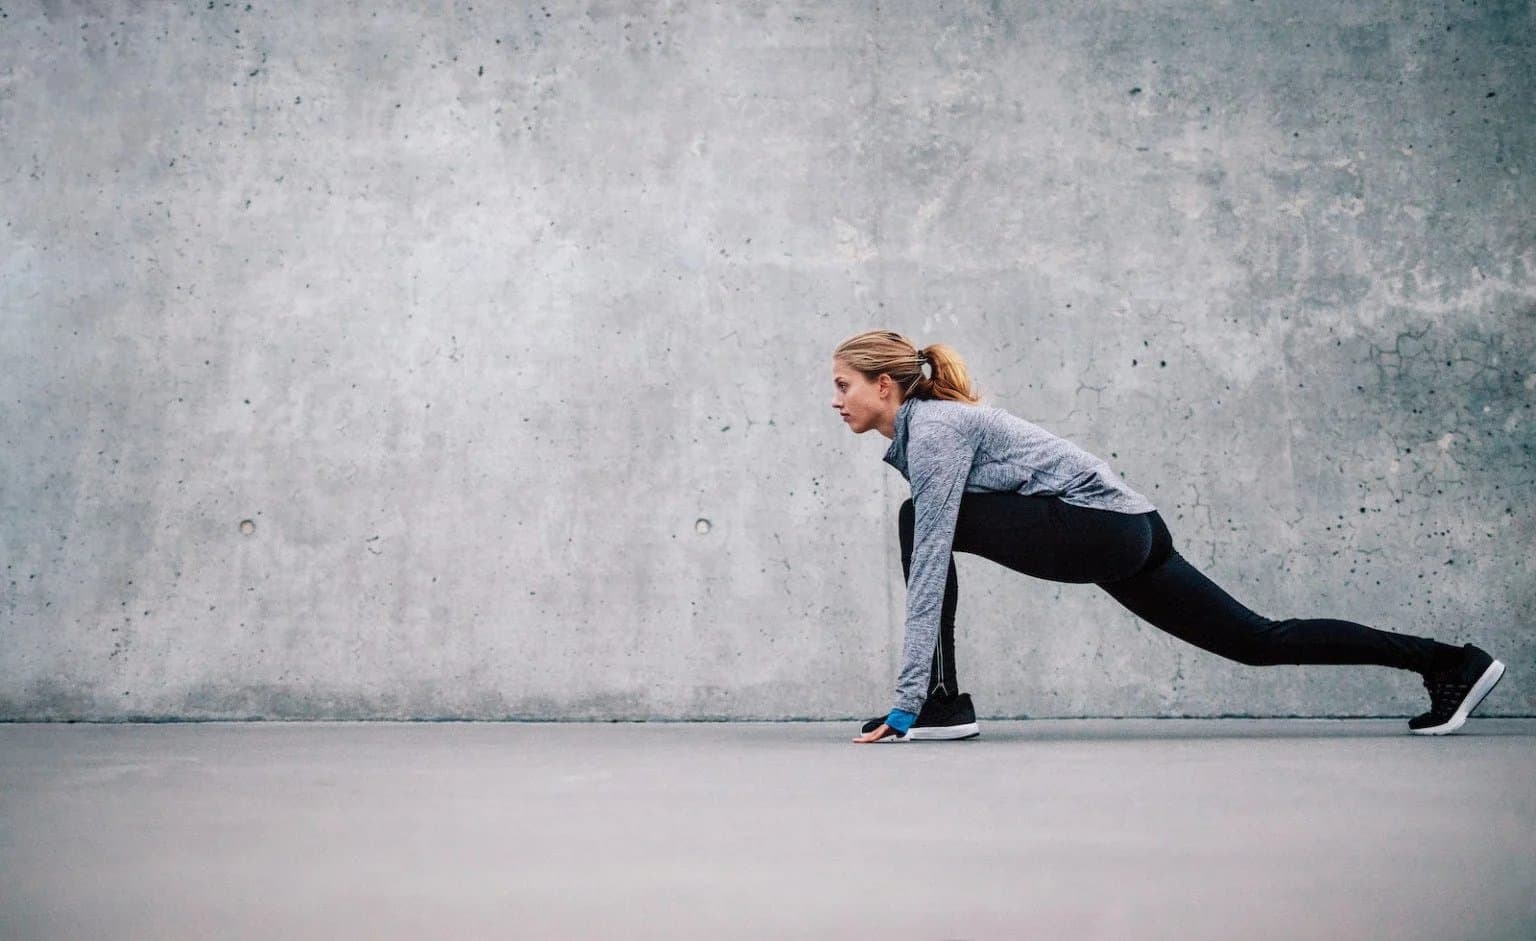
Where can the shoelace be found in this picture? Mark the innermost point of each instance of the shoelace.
(1445, 694)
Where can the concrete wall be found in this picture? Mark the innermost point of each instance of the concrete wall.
(437, 360)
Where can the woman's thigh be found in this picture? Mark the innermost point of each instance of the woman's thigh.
(1051, 539)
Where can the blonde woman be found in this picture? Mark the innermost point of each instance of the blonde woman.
(989, 483)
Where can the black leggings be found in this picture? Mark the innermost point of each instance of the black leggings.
(1131, 556)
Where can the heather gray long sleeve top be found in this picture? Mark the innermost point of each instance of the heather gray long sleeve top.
(946, 448)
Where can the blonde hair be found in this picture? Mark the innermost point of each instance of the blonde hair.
(886, 352)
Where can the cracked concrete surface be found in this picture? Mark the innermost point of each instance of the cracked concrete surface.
(473, 313)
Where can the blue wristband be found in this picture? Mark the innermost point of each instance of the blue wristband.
(901, 720)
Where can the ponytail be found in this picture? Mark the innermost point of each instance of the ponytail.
(934, 372)
(947, 376)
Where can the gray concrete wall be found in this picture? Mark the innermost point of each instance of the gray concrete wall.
(385, 360)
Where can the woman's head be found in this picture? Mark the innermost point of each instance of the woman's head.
(875, 371)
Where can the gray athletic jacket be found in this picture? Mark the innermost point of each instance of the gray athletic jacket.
(946, 448)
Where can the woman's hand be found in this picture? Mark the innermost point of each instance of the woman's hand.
(884, 731)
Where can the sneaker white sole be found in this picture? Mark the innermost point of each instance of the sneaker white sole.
(944, 733)
(1480, 689)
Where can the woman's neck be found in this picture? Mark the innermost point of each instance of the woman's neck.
(887, 423)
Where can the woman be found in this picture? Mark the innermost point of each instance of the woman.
(988, 483)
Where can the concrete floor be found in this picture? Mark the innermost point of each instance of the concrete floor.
(1082, 829)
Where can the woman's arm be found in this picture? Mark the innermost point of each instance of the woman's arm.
(939, 460)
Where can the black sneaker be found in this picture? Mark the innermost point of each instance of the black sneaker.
(1456, 691)
(940, 720)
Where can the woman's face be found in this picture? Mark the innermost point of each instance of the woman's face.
(861, 403)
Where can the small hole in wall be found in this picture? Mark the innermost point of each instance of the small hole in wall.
(702, 527)
(247, 527)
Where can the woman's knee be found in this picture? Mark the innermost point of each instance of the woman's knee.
(1264, 646)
